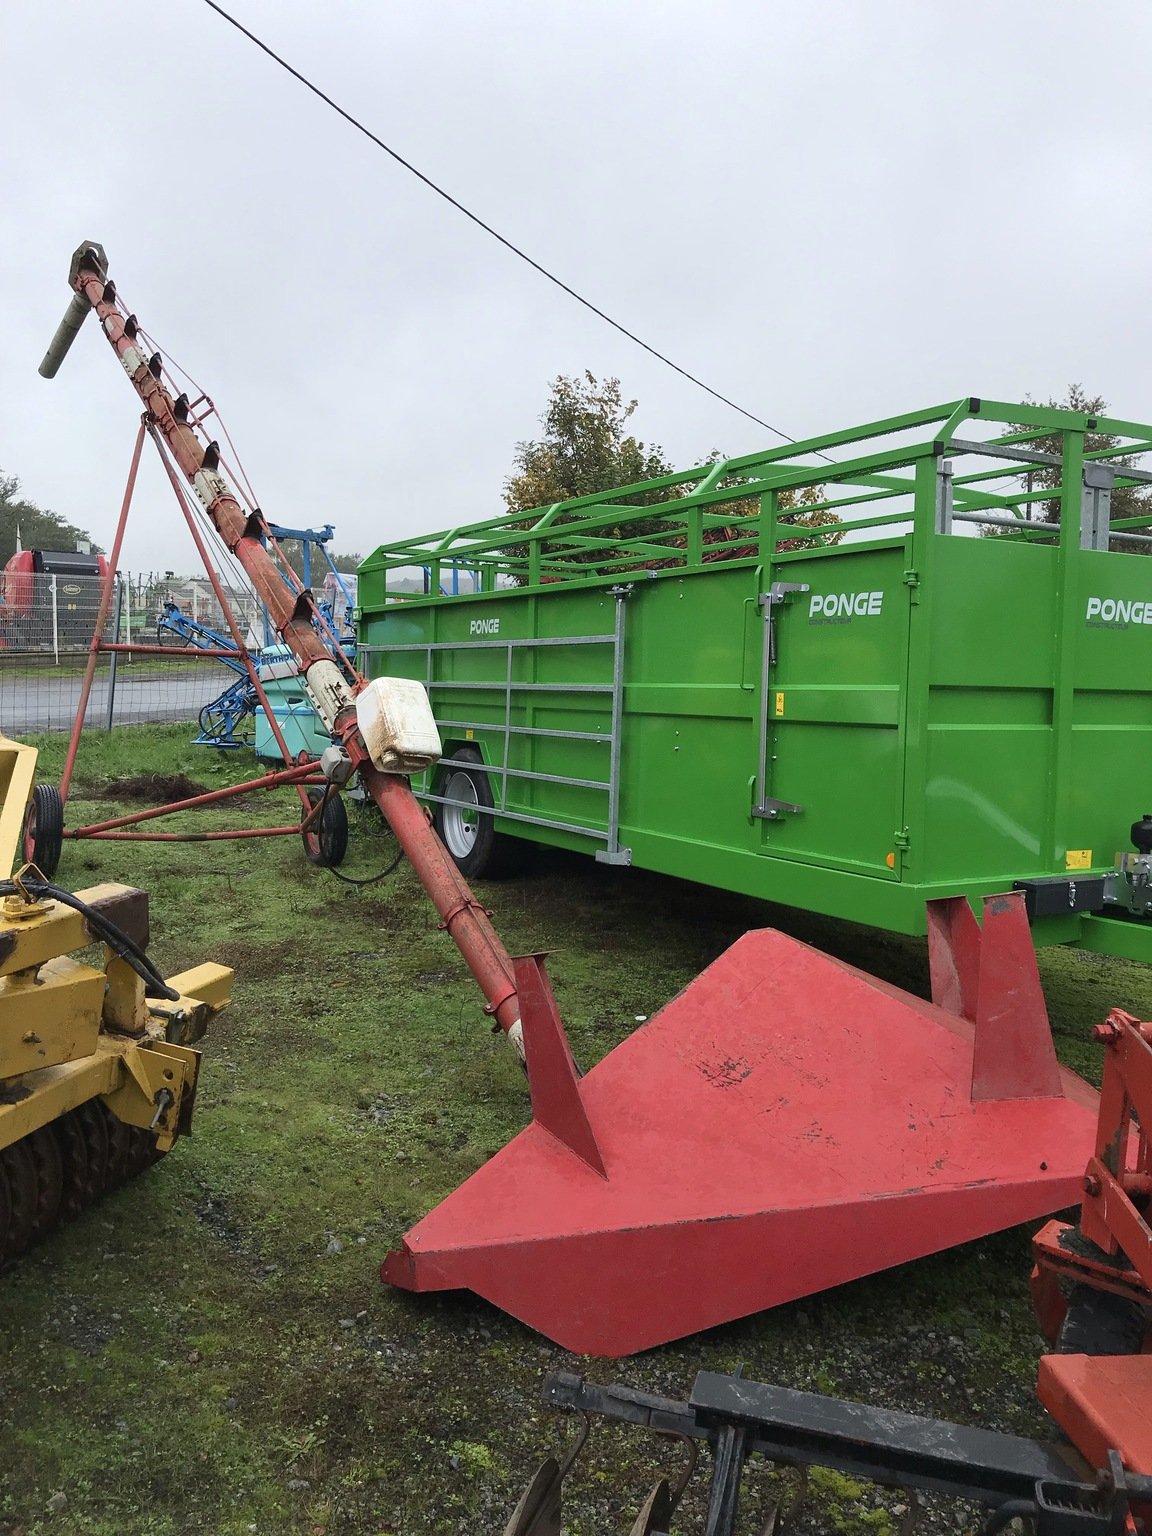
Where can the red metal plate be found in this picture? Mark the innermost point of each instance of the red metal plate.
(786, 1124)
(1102, 1403)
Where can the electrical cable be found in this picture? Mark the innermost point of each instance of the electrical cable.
(103, 927)
(372, 879)
(489, 230)
(332, 870)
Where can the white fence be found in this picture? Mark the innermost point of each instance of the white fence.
(46, 625)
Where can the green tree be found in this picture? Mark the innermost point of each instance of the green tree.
(1127, 500)
(294, 554)
(587, 448)
(38, 528)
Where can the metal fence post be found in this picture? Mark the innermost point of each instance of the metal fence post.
(55, 621)
(115, 654)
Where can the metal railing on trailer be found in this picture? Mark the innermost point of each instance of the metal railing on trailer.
(753, 506)
(508, 688)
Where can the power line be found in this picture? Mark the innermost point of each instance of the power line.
(488, 229)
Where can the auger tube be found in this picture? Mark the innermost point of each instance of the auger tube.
(292, 614)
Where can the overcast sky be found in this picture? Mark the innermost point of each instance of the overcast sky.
(830, 211)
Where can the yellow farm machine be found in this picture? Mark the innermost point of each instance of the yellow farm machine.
(97, 1062)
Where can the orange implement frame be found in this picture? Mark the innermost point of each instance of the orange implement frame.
(178, 427)
(1111, 1246)
(1104, 1402)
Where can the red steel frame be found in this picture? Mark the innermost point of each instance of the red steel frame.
(1117, 1253)
(172, 423)
(299, 775)
(1104, 1402)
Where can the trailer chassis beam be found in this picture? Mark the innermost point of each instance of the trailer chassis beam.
(1014, 1476)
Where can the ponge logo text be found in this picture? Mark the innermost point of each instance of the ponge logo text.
(484, 627)
(1117, 612)
(841, 607)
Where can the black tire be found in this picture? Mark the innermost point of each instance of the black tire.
(20, 1169)
(45, 1150)
(466, 827)
(326, 840)
(44, 829)
(1101, 1323)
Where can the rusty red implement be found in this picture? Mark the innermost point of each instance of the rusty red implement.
(786, 1124)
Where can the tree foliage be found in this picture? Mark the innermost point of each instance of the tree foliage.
(1127, 500)
(586, 448)
(293, 551)
(39, 528)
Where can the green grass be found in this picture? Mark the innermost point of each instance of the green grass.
(130, 664)
(177, 1360)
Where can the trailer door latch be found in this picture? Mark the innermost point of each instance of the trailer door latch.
(769, 810)
(780, 591)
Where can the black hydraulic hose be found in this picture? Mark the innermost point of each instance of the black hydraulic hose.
(351, 879)
(1004, 1514)
(372, 879)
(103, 927)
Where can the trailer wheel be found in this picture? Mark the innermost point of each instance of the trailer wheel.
(326, 840)
(1101, 1323)
(44, 829)
(465, 825)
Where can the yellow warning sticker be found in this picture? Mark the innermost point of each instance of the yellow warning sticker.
(779, 704)
(470, 735)
(1078, 858)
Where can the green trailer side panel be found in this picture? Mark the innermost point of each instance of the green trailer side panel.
(989, 714)
(837, 699)
(1112, 714)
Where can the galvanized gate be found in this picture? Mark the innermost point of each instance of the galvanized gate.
(504, 707)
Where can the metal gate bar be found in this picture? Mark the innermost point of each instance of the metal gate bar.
(612, 853)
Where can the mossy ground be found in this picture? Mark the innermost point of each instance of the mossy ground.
(210, 1350)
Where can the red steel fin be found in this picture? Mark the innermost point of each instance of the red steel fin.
(553, 1080)
(954, 955)
(988, 975)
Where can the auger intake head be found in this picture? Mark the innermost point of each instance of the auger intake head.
(86, 257)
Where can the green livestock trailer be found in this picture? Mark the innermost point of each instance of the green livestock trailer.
(905, 661)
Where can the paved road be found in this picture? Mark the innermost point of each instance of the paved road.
(48, 703)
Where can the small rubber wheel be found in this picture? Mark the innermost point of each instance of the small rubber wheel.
(326, 840)
(465, 824)
(1101, 1323)
(44, 829)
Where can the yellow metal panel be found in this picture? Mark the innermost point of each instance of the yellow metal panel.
(31, 941)
(151, 1070)
(53, 1019)
(17, 769)
(55, 1091)
(125, 1007)
(204, 991)
(208, 983)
